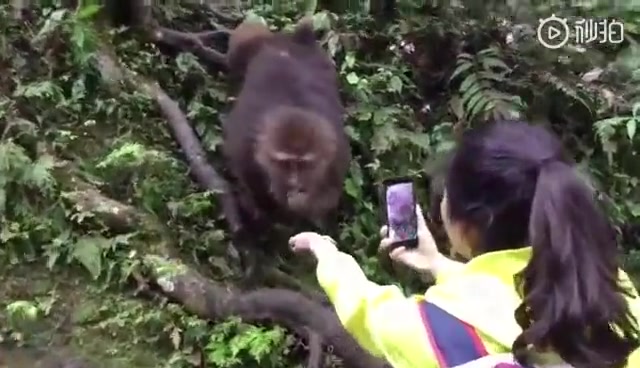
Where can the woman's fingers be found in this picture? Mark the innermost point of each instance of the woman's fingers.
(292, 241)
(426, 243)
(422, 224)
(397, 253)
(385, 243)
(301, 241)
(329, 239)
(308, 241)
(384, 234)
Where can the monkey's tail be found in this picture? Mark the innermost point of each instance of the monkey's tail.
(304, 33)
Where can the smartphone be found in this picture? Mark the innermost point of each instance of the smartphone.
(398, 201)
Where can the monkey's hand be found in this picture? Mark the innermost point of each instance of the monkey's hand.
(312, 242)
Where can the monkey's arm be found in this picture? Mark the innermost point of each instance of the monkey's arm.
(381, 318)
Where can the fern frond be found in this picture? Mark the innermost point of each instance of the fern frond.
(479, 92)
(40, 174)
(17, 167)
(13, 159)
(568, 90)
(607, 129)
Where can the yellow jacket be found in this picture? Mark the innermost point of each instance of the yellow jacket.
(388, 324)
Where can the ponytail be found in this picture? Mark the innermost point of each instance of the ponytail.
(573, 303)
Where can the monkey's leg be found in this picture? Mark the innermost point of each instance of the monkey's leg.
(244, 244)
(257, 266)
(252, 269)
(253, 255)
(240, 222)
(234, 211)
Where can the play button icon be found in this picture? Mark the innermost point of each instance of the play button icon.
(553, 32)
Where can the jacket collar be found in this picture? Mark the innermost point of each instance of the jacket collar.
(504, 264)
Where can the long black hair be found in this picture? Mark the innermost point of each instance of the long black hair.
(513, 183)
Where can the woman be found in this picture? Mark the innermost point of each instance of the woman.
(543, 281)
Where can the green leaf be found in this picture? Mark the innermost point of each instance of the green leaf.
(88, 11)
(40, 173)
(3, 201)
(321, 20)
(351, 188)
(350, 60)
(469, 81)
(421, 140)
(88, 252)
(352, 78)
(395, 84)
(455, 105)
(52, 22)
(460, 69)
(333, 43)
(352, 133)
(491, 62)
(384, 138)
(253, 17)
(631, 128)
(23, 309)
(58, 15)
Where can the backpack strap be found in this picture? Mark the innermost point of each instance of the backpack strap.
(454, 342)
(504, 360)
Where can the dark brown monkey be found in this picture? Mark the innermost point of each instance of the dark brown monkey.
(284, 139)
(244, 43)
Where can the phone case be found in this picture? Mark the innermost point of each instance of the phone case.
(410, 243)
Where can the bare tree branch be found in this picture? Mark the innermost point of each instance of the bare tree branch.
(191, 42)
(281, 306)
(141, 18)
(203, 172)
(224, 16)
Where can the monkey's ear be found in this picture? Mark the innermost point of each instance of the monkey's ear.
(304, 32)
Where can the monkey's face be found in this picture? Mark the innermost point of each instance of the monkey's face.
(296, 149)
(296, 179)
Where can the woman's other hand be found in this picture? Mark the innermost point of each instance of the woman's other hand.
(312, 242)
(420, 258)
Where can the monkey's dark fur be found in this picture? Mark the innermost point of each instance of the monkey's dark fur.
(289, 105)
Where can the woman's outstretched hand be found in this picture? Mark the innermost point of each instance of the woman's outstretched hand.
(420, 258)
(311, 242)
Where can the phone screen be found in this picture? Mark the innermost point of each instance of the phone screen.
(401, 212)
